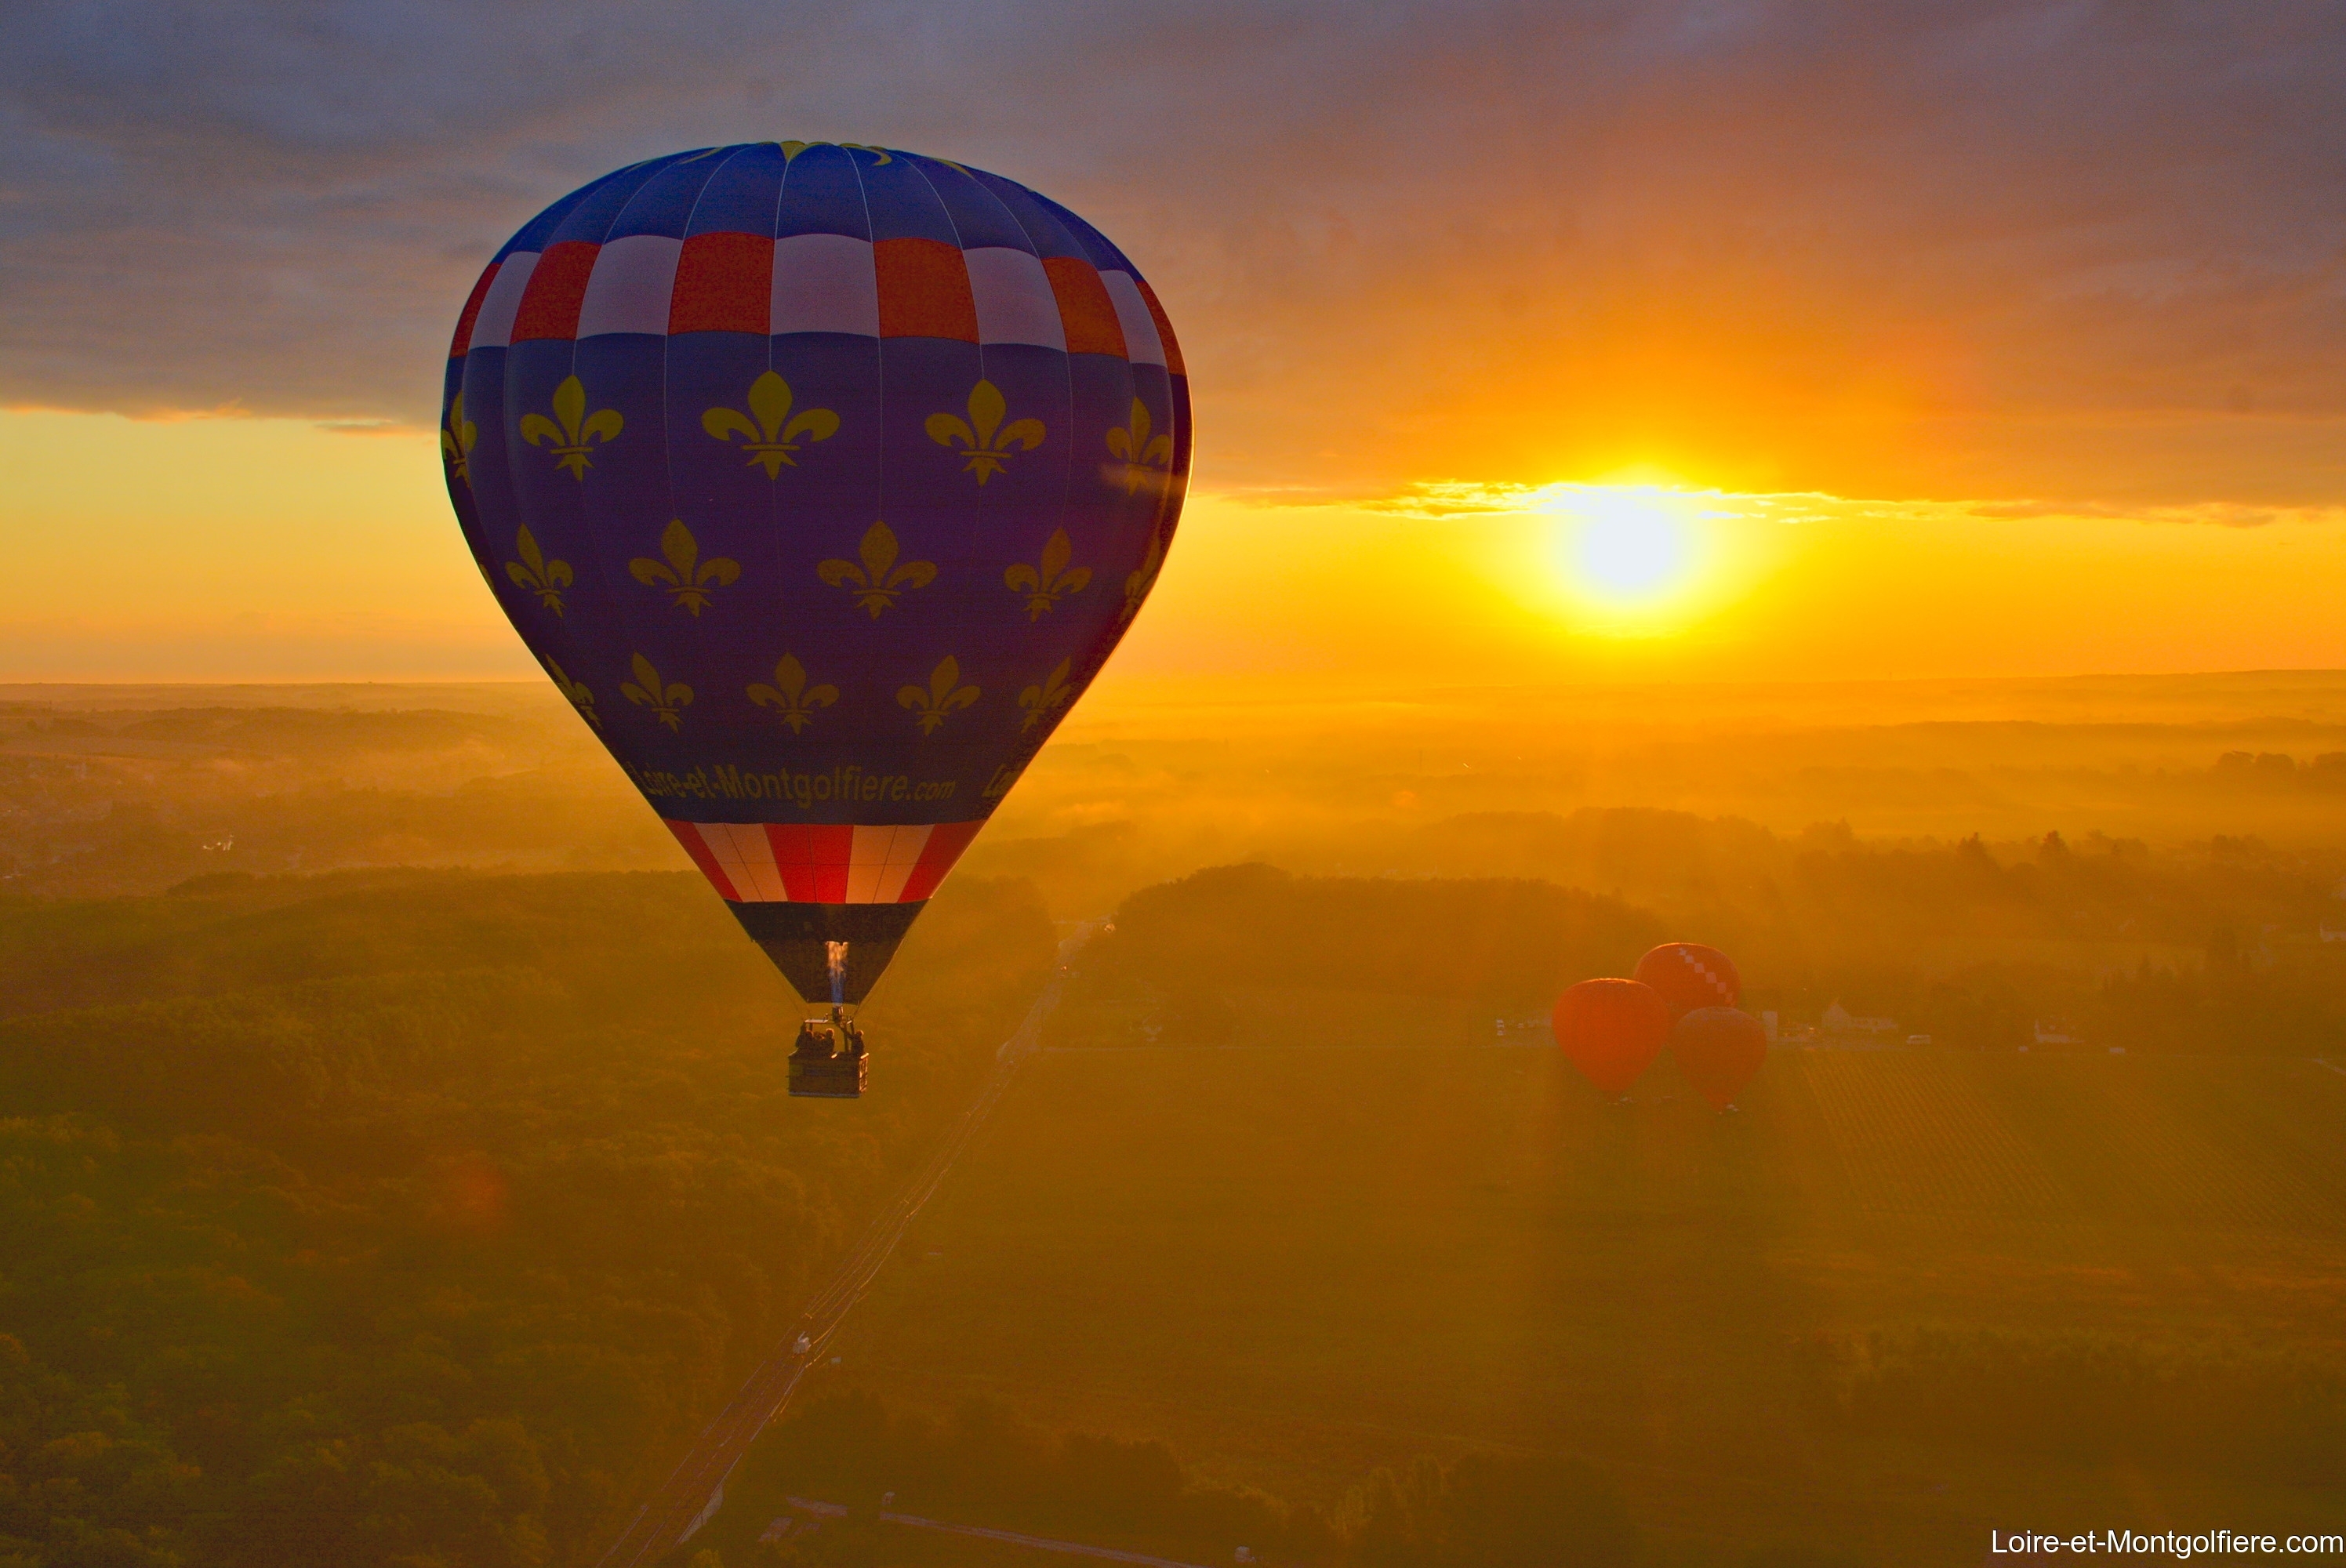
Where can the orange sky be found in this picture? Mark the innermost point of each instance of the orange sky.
(264, 549)
(1989, 339)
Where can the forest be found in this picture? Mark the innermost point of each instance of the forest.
(983, 1464)
(397, 1168)
(2118, 945)
(409, 1218)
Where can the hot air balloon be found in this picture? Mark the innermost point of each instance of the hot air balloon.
(1719, 1049)
(822, 479)
(1690, 975)
(1611, 1030)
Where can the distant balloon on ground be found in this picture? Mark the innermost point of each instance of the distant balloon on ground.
(1719, 1049)
(1611, 1030)
(1688, 975)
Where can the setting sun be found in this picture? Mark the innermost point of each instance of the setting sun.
(1627, 547)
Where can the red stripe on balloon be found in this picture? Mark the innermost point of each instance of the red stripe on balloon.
(924, 290)
(462, 341)
(724, 284)
(688, 835)
(1085, 308)
(1164, 329)
(812, 861)
(946, 843)
(550, 306)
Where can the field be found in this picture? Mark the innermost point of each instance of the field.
(1297, 1261)
(342, 998)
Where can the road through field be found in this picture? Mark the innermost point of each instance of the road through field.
(691, 1494)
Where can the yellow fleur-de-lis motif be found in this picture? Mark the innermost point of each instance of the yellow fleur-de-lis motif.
(580, 698)
(1142, 452)
(879, 579)
(542, 577)
(667, 699)
(1040, 699)
(944, 694)
(774, 440)
(457, 439)
(1050, 579)
(986, 442)
(791, 696)
(1136, 586)
(575, 436)
(686, 576)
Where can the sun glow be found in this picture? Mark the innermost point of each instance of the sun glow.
(1636, 560)
(1628, 546)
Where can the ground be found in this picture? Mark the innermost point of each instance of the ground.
(1318, 1250)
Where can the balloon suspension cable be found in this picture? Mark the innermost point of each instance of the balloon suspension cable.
(837, 954)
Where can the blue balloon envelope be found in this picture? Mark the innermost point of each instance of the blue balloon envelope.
(823, 480)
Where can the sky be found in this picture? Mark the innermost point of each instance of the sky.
(1700, 340)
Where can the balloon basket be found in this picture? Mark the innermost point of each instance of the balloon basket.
(829, 1061)
(838, 1078)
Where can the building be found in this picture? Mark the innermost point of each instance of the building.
(1846, 1028)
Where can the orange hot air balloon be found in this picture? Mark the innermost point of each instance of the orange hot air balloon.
(1690, 975)
(1611, 1030)
(1719, 1049)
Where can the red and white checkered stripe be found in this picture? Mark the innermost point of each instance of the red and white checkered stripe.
(652, 284)
(1726, 987)
(777, 862)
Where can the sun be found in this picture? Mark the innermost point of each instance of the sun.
(1635, 556)
(1629, 548)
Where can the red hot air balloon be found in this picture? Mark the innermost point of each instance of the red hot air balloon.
(1690, 975)
(1719, 1049)
(1611, 1030)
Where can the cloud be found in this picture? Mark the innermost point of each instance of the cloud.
(2086, 252)
(1441, 500)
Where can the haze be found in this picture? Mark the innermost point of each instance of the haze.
(1862, 487)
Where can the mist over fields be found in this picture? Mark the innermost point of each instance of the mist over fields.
(2153, 861)
(397, 1168)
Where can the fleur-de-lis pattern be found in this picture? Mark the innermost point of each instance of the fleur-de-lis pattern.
(1050, 579)
(762, 655)
(686, 577)
(667, 700)
(580, 698)
(944, 694)
(791, 696)
(1147, 459)
(546, 578)
(774, 438)
(1051, 692)
(880, 578)
(573, 432)
(985, 442)
(457, 439)
(1136, 586)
